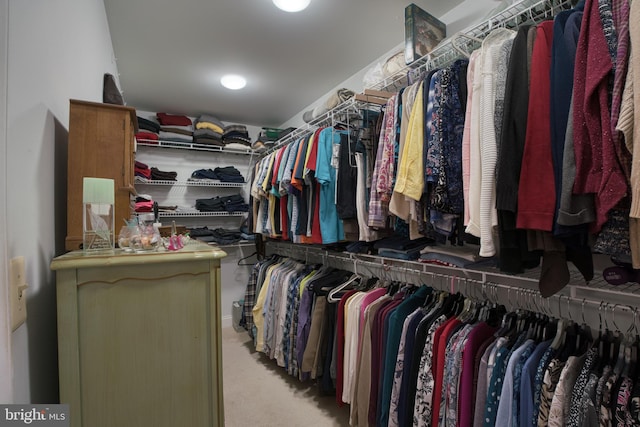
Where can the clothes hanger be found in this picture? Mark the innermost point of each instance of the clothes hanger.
(332, 297)
(461, 35)
(620, 363)
(255, 253)
(558, 340)
(630, 358)
(586, 336)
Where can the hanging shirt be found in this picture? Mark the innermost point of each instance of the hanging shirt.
(410, 180)
(330, 224)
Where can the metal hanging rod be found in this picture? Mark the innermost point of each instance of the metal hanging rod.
(350, 106)
(526, 11)
(469, 282)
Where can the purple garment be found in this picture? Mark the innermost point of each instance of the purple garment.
(476, 338)
(304, 323)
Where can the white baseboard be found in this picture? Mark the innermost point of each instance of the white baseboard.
(227, 321)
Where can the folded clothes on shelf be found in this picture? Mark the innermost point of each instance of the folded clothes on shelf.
(147, 136)
(142, 170)
(200, 232)
(182, 130)
(236, 140)
(221, 236)
(207, 121)
(159, 175)
(407, 254)
(173, 136)
(207, 133)
(234, 203)
(226, 174)
(149, 125)
(173, 120)
(360, 247)
(226, 237)
(144, 206)
(235, 146)
(401, 243)
(203, 174)
(236, 134)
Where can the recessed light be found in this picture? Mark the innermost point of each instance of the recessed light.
(233, 81)
(292, 5)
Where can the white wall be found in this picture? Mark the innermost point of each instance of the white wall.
(58, 49)
(6, 373)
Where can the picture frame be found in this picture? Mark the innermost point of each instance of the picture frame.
(423, 32)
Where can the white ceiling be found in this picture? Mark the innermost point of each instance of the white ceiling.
(171, 54)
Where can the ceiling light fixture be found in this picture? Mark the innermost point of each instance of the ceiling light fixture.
(233, 81)
(292, 5)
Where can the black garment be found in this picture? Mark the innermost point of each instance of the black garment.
(327, 385)
(347, 177)
(514, 253)
(148, 125)
(204, 174)
(234, 203)
(303, 211)
(159, 175)
(200, 232)
(277, 226)
(400, 243)
(514, 124)
(225, 237)
(228, 174)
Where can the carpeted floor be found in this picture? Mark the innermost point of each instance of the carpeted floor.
(259, 393)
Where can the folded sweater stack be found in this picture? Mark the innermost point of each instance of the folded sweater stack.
(208, 130)
(234, 203)
(142, 170)
(176, 128)
(236, 134)
(148, 130)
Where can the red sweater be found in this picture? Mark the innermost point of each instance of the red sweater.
(536, 192)
(597, 167)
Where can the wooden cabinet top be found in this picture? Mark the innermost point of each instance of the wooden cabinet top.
(103, 106)
(194, 251)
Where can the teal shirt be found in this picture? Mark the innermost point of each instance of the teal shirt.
(331, 225)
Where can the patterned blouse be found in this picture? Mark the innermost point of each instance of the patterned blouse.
(424, 389)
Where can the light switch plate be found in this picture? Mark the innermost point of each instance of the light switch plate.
(17, 292)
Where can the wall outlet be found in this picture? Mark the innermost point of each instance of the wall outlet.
(17, 292)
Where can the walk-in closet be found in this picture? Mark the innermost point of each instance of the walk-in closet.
(463, 250)
(331, 213)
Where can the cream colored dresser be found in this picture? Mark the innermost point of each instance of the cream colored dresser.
(139, 338)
